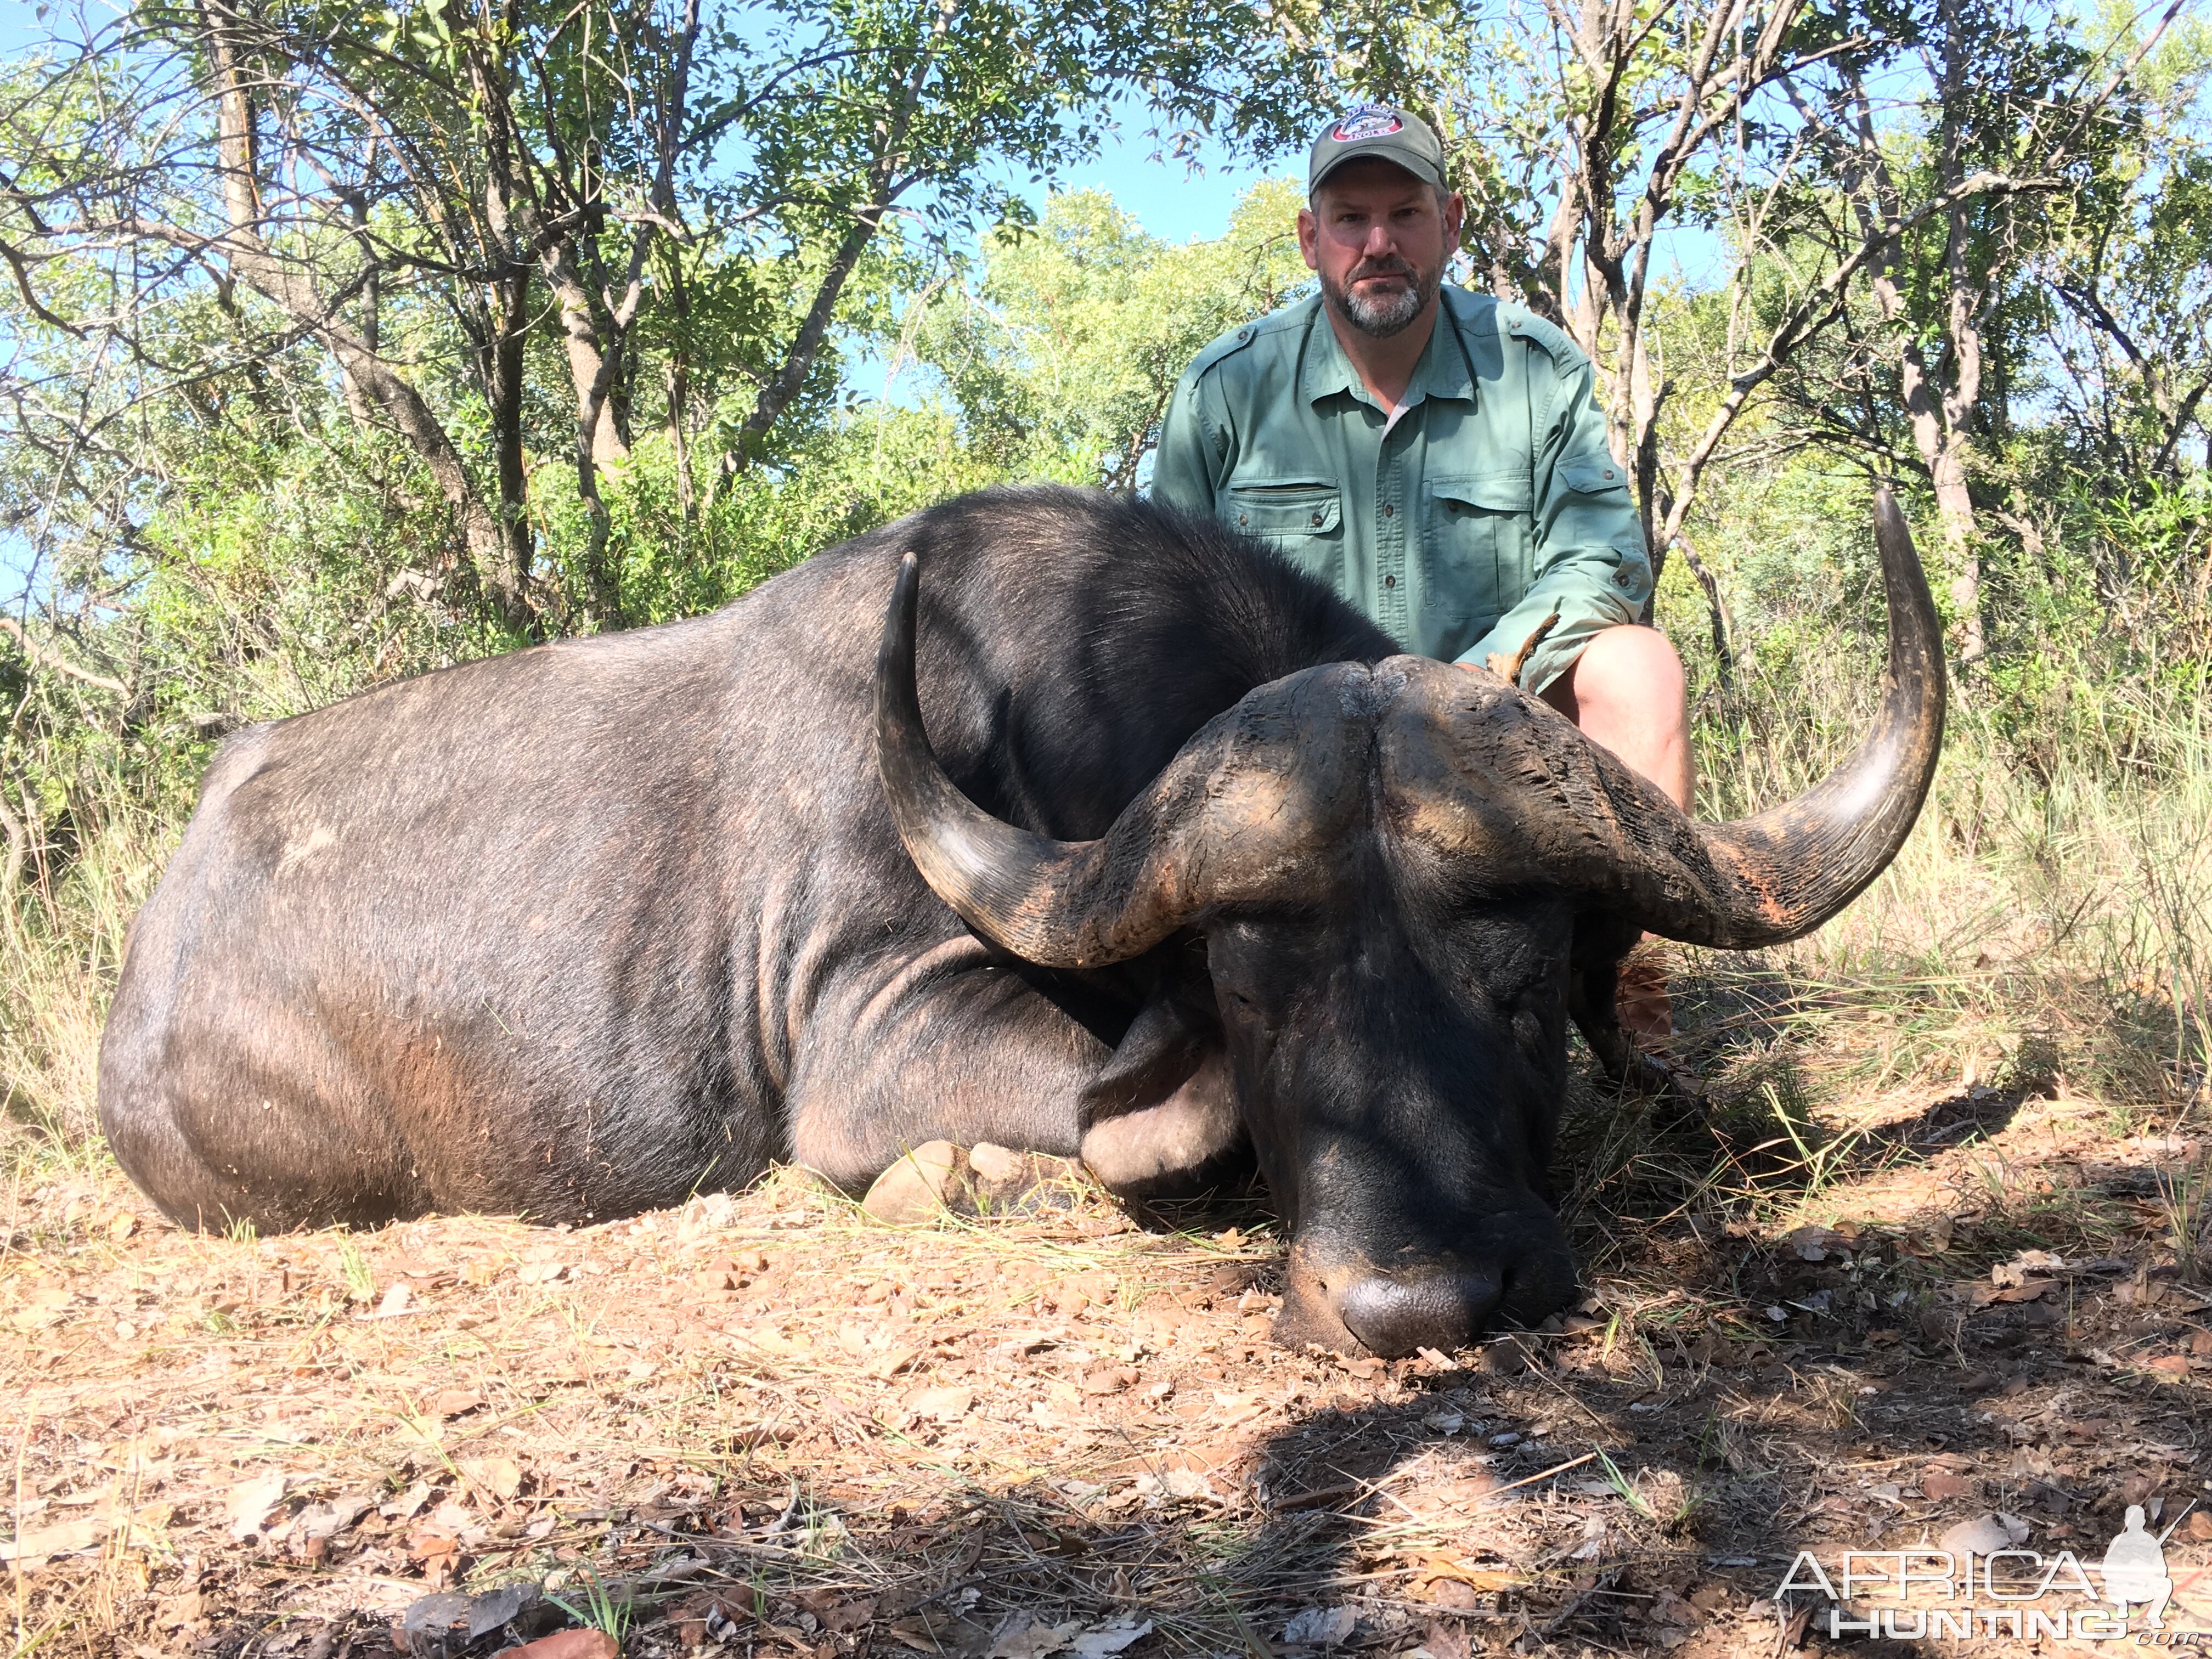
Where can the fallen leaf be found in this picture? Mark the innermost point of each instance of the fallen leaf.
(1454, 1596)
(122, 1226)
(397, 1299)
(1814, 1244)
(941, 1405)
(568, 1644)
(1022, 1635)
(1983, 1534)
(1941, 1484)
(2171, 1364)
(891, 1364)
(454, 1402)
(250, 1501)
(2015, 1273)
(843, 1618)
(35, 1548)
(328, 1520)
(496, 1477)
(1101, 1641)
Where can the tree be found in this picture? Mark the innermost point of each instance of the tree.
(400, 187)
(1948, 194)
(1062, 360)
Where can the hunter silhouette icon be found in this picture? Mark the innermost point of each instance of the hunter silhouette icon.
(2135, 1571)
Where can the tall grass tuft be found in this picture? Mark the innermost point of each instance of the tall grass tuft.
(61, 948)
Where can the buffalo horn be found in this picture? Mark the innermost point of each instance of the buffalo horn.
(1216, 824)
(1771, 878)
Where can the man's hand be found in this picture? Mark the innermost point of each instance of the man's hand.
(1509, 668)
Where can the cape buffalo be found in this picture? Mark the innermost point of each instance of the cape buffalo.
(1171, 861)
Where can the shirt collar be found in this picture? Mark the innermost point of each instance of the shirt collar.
(1442, 371)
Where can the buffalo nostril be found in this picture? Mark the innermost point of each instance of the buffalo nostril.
(1392, 1316)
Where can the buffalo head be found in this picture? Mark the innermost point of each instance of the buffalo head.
(1404, 877)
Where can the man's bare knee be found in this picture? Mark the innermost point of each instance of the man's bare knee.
(1631, 667)
(1627, 691)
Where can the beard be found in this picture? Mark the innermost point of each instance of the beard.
(1382, 315)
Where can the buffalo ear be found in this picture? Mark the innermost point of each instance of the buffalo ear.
(1593, 974)
(1170, 1038)
(1160, 1119)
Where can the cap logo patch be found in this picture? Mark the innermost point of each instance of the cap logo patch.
(1368, 121)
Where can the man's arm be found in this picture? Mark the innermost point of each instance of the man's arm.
(1591, 570)
(1188, 468)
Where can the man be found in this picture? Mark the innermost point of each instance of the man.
(1438, 458)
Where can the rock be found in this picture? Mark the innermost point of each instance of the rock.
(1983, 1534)
(568, 1644)
(919, 1188)
(1941, 1484)
(996, 1164)
(1320, 1627)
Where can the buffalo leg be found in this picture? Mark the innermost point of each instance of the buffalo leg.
(947, 1045)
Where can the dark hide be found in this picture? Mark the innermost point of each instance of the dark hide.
(579, 931)
(575, 931)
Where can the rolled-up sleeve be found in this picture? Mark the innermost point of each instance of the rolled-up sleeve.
(1591, 570)
(1194, 452)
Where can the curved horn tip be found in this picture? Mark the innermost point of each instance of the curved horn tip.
(1890, 529)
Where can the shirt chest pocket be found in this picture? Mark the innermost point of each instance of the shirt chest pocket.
(1302, 518)
(1475, 545)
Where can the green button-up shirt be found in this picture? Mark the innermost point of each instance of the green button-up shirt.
(1490, 504)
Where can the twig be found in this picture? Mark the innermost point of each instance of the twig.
(46, 659)
(1544, 1475)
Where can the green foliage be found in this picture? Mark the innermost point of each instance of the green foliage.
(1062, 358)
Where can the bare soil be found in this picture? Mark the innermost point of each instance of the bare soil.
(764, 1424)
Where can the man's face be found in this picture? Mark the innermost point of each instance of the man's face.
(1379, 239)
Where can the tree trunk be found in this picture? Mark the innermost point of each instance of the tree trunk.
(295, 294)
(776, 397)
(502, 358)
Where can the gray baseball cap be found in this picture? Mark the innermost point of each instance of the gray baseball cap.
(1379, 129)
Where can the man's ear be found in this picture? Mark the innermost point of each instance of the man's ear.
(1454, 217)
(1308, 238)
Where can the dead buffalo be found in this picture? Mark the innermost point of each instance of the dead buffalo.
(1171, 862)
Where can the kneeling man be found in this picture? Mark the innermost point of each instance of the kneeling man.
(1438, 458)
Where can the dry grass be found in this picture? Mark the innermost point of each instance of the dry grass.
(768, 1424)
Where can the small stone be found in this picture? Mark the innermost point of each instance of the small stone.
(916, 1189)
(1942, 1484)
(568, 1644)
(996, 1164)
